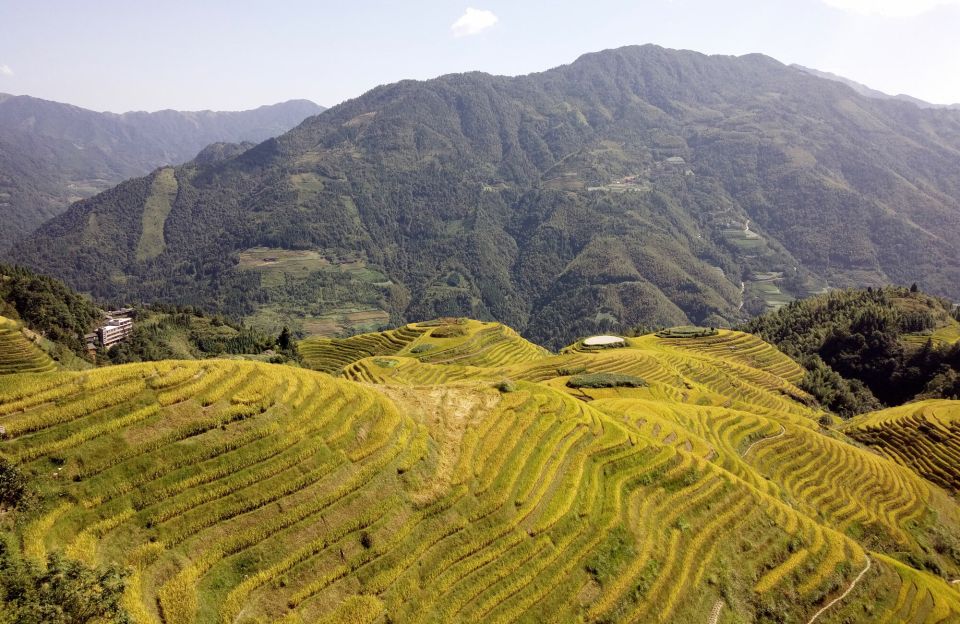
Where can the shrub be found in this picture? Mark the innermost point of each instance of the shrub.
(605, 380)
(423, 347)
(63, 593)
(450, 331)
(13, 485)
(505, 386)
(611, 555)
(687, 331)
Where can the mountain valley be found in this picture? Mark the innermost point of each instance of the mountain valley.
(53, 154)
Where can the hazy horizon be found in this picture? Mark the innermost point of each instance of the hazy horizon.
(237, 56)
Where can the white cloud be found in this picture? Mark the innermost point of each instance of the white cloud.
(890, 8)
(5, 70)
(473, 21)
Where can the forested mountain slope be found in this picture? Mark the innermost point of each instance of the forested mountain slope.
(471, 476)
(864, 348)
(52, 154)
(637, 186)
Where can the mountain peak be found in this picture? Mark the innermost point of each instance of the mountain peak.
(634, 186)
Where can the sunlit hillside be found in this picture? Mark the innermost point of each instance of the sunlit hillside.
(452, 471)
(924, 436)
(17, 353)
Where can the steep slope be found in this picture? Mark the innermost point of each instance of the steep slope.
(924, 436)
(18, 354)
(240, 492)
(638, 186)
(49, 308)
(52, 154)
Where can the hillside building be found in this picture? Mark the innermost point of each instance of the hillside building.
(114, 330)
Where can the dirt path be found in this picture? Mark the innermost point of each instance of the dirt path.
(773, 437)
(844, 594)
(715, 613)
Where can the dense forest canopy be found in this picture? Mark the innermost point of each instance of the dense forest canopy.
(864, 348)
(47, 306)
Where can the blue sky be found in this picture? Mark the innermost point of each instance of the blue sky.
(228, 55)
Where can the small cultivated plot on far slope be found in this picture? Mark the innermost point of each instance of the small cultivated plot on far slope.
(449, 473)
(947, 333)
(344, 294)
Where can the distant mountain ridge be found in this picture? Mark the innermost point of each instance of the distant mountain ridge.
(52, 153)
(636, 186)
(866, 91)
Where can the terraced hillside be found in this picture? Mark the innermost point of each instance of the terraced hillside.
(468, 481)
(459, 341)
(19, 355)
(945, 335)
(924, 436)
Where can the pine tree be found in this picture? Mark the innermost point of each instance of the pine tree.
(284, 341)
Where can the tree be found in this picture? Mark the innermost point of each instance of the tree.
(64, 592)
(913, 287)
(13, 486)
(284, 341)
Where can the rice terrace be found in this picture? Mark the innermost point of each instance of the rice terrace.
(452, 471)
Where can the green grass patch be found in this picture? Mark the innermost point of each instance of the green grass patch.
(605, 380)
(612, 555)
(687, 331)
(163, 192)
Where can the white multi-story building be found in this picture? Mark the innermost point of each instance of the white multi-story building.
(115, 330)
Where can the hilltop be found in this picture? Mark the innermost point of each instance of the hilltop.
(52, 154)
(453, 471)
(635, 186)
(864, 348)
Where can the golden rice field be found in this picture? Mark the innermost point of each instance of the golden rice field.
(18, 354)
(409, 488)
(924, 436)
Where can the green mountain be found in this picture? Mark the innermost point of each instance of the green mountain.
(52, 154)
(637, 186)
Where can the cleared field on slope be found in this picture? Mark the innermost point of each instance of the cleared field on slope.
(156, 209)
(246, 492)
(942, 336)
